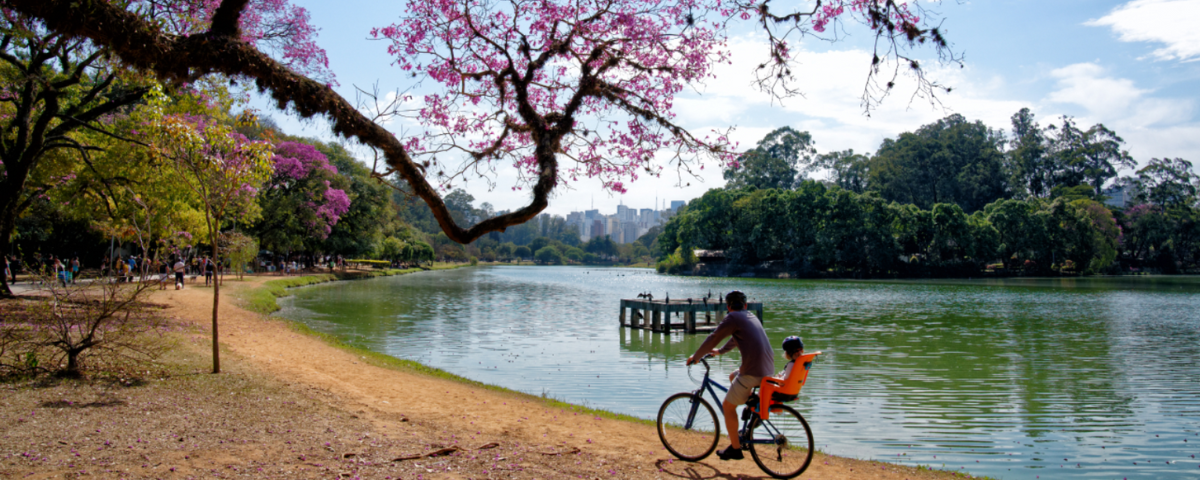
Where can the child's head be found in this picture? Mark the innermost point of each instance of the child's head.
(793, 346)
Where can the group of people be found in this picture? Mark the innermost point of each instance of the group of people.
(179, 269)
(64, 270)
(286, 266)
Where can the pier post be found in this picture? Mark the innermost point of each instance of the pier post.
(689, 320)
(636, 318)
(656, 319)
(622, 314)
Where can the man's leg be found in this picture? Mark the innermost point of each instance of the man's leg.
(731, 424)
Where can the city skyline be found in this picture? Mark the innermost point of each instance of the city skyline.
(625, 225)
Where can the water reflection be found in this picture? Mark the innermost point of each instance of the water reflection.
(1008, 378)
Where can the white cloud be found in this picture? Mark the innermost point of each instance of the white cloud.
(1115, 100)
(1171, 22)
(1085, 84)
(832, 84)
(1151, 126)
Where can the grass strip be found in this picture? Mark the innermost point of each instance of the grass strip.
(263, 300)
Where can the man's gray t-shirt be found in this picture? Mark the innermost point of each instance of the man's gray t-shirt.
(758, 359)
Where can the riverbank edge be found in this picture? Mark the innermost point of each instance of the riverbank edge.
(262, 300)
(274, 289)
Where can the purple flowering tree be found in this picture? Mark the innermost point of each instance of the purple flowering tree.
(220, 166)
(56, 90)
(523, 84)
(302, 201)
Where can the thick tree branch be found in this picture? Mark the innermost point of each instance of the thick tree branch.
(144, 46)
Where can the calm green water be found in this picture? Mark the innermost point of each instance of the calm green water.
(1015, 379)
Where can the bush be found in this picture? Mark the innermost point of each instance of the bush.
(678, 262)
(474, 260)
(103, 326)
(549, 256)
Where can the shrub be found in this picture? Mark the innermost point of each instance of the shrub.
(549, 256)
(103, 326)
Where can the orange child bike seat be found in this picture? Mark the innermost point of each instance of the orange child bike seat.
(777, 391)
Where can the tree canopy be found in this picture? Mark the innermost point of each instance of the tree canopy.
(551, 86)
(773, 162)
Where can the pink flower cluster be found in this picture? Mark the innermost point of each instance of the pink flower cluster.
(296, 162)
(513, 67)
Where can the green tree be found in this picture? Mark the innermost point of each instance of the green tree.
(372, 213)
(1021, 233)
(602, 245)
(855, 237)
(296, 204)
(1029, 163)
(220, 167)
(504, 251)
(539, 243)
(392, 248)
(522, 252)
(1170, 183)
(548, 255)
(52, 86)
(773, 162)
(949, 161)
(847, 169)
(1091, 157)
(576, 255)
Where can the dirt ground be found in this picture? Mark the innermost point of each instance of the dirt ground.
(289, 405)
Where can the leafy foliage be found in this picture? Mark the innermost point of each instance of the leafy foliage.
(773, 163)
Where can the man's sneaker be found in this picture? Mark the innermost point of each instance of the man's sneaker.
(730, 453)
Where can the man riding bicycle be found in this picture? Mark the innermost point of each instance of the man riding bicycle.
(758, 361)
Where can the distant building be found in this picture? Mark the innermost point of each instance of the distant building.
(648, 217)
(576, 219)
(1118, 195)
(597, 228)
(612, 227)
(623, 212)
(676, 205)
(629, 232)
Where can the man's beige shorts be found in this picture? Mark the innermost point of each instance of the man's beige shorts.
(741, 388)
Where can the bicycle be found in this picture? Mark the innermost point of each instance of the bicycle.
(780, 440)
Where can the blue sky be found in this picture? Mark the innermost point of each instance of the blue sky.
(1133, 66)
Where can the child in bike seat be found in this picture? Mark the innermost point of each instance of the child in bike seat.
(793, 348)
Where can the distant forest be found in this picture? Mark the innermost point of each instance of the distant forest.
(954, 198)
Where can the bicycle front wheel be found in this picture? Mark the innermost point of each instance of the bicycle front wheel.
(687, 426)
(783, 445)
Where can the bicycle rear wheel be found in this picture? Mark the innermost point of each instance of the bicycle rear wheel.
(782, 446)
(688, 427)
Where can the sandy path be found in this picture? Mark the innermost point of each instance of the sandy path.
(388, 398)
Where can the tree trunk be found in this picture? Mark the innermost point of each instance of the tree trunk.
(216, 303)
(7, 225)
(72, 370)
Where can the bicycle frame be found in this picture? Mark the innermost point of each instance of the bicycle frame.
(707, 385)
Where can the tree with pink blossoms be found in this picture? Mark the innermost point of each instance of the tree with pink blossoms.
(302, 201)
(223, 169)
(524, 84)
(55, 87)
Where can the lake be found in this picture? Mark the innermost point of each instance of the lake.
(1013, 378)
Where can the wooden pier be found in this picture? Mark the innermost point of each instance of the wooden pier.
(656, 315)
